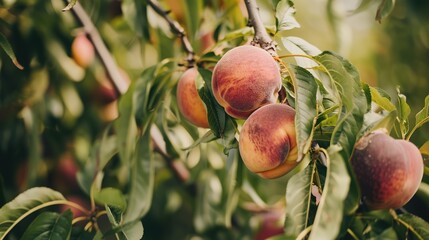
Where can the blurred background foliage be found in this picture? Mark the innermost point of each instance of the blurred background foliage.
(53, 111)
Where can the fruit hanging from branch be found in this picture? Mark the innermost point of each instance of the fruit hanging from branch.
(189, 102)
(268, 141)
(389, 171)
(244, 79)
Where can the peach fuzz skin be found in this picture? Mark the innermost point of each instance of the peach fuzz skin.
(389, 171)
(82, 51)
(244, 79)
(267, 141)
(189, 102)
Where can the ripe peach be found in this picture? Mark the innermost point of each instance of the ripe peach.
(188, 100)
(244, 79)
(82, 51)
(267, 141)
(388, 171)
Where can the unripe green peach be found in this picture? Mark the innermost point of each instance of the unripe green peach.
(267, 141)
(389, 171)
(189, 102)
(82, 51)
(244, 79)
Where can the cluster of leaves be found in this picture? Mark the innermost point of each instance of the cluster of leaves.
(128, 178)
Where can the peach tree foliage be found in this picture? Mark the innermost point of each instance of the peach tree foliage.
(130, 173)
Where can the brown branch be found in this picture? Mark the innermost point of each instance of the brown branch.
(261, 37)
(121, 86)
(176, 29)
(106, 58)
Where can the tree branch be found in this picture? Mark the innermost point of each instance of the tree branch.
(121, 86)
(106, 58)
(177, 29)
(261, 37)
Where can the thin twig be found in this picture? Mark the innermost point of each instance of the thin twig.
(120, 85)
(106, 58)
(176, 29)
(261, 37)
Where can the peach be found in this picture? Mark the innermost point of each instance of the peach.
(267, 141)
(244, 79)
(189, 102)
(389, 171)
(82, 51)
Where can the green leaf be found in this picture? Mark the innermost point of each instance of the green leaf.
(329, 215)
(384, 9)
(130, 231)
(404, 111)
(135, 14)
(423, 114)
(381, 100)
(50, 226)
(102, 152)
(417, 227)
(305, 107)
(208, 201)
(298, 198)
(4, 43)
(193, 15)
(222, 125)
(142, 180)
(112, 197)
(299, 47)
(25, 204)
(285, 12)
(422, 117)
(351, 118)
(150, 92)
(125, 126)
(207, 137)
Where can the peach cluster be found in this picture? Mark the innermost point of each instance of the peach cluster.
(246, 82)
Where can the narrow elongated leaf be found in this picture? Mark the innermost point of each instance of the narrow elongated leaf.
(350, 121)
(101, 154)
(384, 9)
(352, 96)
(208, 201)
(305, 107)
(329, 215)
(193, 15)
(343, 79)
(4, 43)
(129, 232)
(50, 226)
(381, 101)
(404, 111)
(298, 198)
(285, 12)
(142, 180)
(422, 117)
(423, 114)
(112, 197)
(418, 227)
(151, 90)
(126, 126)
(24, 204)
(216, 114)
(298, 46)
